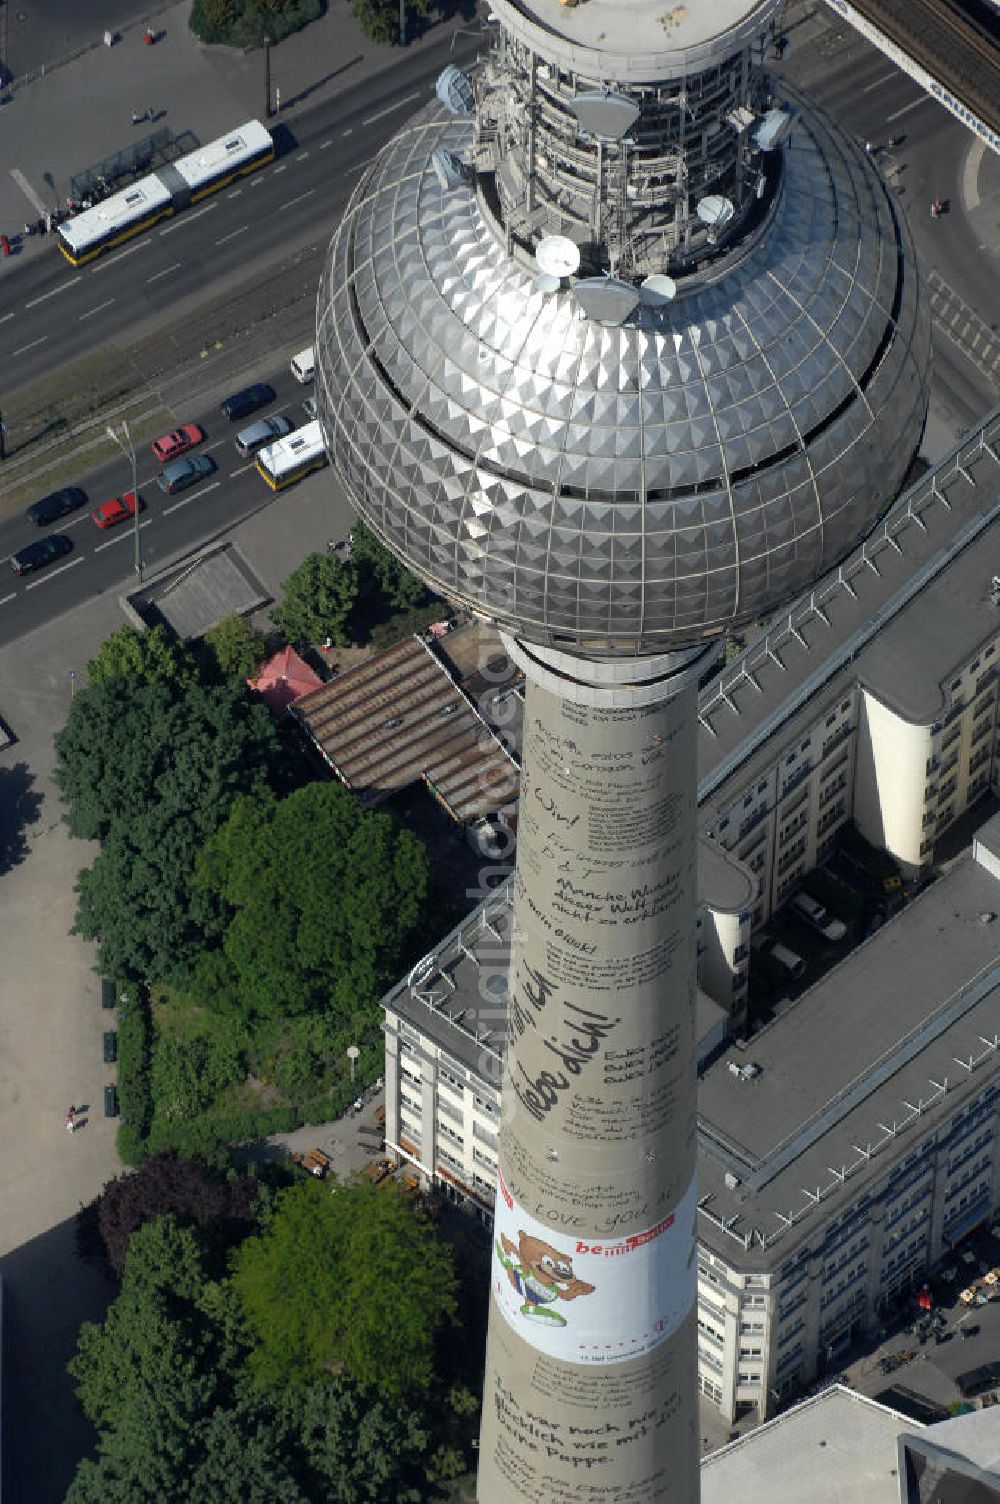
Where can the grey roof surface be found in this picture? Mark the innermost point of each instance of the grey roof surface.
(858, 1055)
(834, 635)
(861, 1056)
(724, 879)
(633, 488)
(636, 39)
(399, 717)
(835, 1448)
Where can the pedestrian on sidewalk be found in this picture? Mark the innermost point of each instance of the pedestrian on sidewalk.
(71, 1120)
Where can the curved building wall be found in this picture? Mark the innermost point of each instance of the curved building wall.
(621, 490)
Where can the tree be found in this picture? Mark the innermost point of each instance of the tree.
(237, 648)
(324, 898)
(395, 582)
(151, 769)
(379, 19)
(224, 1209)
(147, 655)
(352, 1281)
(152, 1344)
(317, 599)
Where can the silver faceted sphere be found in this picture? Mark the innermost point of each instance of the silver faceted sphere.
(634, 488)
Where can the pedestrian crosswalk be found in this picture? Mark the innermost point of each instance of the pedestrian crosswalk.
(952, 315)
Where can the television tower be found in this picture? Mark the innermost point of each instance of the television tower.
(617, 348)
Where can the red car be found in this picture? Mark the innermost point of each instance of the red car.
(120, 509)
(169, 445)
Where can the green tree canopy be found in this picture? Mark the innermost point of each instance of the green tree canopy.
(393, 580)
(237, 648)
(151, 769)
(148, 655)
(324, 899)
(351, 1280)
(317, 600)
(379, 19)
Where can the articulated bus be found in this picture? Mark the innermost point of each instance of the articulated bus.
(290, 458)
(169, 189)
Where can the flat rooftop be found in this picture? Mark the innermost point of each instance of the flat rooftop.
(647, 34)
(898, 614)
(399, 718)
(835, 1448)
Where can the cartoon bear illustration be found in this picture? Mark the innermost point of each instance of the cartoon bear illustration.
(541, 1275)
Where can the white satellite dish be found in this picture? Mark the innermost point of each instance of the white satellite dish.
(715, 211)
(657, 290)
(546, 282)
(558, 256)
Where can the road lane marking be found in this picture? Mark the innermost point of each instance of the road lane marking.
(35, 301)
(195, 496)
(11, 597)
(91, 311)
(25, 348)
(235, 193)
(915, 104)
(165, 272)
(18, 175)
(242, 470)
(126, 534)
(301, 156)
(324, 145)
(114, 260)
(349, 132)
(878, 82)
(233, 234)
(6, 317)
(275, 170)
(56, 572)
(187, 219)
(293, 201)
(970, 174)
(390, 108)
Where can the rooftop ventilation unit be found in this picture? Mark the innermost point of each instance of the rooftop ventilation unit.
(454, 89)
(448, 169)
(606, 300)
(657, 290)
(773, 129)
(732, 1181)
(715, 211)
(557, 256)
(609, 116)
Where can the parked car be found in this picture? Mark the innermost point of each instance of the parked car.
(814, 913)
(783, 954)
(119, 509)
(55, 505)
(169, 445)
(37, 555)
(262, 433)
(242, 404)
(184, 473)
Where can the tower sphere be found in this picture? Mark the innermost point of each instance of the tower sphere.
(596, 467)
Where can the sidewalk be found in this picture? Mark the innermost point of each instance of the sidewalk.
(51, 1019)
(80, 112)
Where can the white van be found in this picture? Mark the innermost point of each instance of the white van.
(303, 366)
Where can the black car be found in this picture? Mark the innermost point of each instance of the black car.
(55, 505)
(36, 555)
(241, 403)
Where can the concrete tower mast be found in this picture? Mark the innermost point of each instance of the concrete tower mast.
(615, 349)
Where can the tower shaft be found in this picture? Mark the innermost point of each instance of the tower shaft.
(589, 1392)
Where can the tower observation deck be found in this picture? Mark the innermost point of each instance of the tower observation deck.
(617, 348)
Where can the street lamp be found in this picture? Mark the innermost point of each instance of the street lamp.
(128, 448)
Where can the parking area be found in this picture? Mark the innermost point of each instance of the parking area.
(940, 1343)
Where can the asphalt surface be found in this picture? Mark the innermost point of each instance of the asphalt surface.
(50, 309)
(104, 559)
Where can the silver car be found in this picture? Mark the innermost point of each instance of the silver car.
(260, 434)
